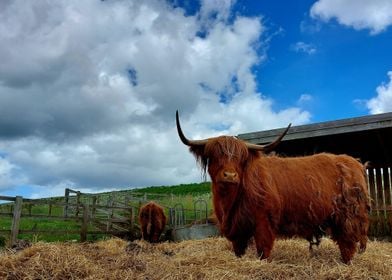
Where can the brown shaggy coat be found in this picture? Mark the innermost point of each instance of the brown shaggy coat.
(152, 221)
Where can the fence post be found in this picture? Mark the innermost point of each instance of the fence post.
(171, 217)
(84, 227)
(77, 203)
(66, 200)
(132, 210)
(50, 209)
(94, 207)
(16, 219)
(110, 213)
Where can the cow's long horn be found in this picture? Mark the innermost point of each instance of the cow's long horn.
(269, 147)
(185, 140)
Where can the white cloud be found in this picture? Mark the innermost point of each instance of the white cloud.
(304, 48)
(304, 98)
(88, 90)
(375, 15)
(216, 9)
(7, 174)
(59, 189)
(382, 103)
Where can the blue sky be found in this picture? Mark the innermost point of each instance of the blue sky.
(335, 66)
(89, 89)
(343, 65)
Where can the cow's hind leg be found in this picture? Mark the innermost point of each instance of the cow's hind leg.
(144, 233)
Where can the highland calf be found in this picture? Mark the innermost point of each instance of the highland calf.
(152, 221)
(263, 196)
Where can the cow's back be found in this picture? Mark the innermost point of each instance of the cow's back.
(309, 189)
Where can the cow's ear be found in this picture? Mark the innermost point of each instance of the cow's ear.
(197, 151)
(201, 158)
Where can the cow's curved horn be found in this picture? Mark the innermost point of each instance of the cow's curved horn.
(269, 147)
(185, 140)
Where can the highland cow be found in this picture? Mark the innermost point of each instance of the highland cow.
(268, 196)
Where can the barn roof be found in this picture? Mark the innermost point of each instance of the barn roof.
(368, 138)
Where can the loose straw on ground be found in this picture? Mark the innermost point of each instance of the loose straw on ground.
(199, 259)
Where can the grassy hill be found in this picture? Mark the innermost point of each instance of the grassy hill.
(183, 189)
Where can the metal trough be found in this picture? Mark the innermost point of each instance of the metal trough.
(199, 229)
(194, 232)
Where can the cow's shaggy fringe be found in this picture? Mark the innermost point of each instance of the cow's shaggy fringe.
(224, 146)
(203, 259)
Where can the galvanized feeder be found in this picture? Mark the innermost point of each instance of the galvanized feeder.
(200, 228)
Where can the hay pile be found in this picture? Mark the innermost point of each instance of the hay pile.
(202, 259)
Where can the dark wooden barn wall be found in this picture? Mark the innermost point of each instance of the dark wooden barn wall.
(380, 190)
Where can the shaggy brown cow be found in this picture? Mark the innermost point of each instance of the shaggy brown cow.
(261, 196)
(152, 221)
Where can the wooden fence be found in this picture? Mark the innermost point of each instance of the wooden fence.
(89, 218)
(119, 198)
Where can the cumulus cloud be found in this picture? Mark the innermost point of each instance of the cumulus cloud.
(382, 103)
(88, 90)
(8, 175)
(216, 10)
(358, 14)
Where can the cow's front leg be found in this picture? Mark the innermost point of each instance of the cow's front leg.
(264, 238)
(239, 246)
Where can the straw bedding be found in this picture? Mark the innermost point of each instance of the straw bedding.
(198, 259)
